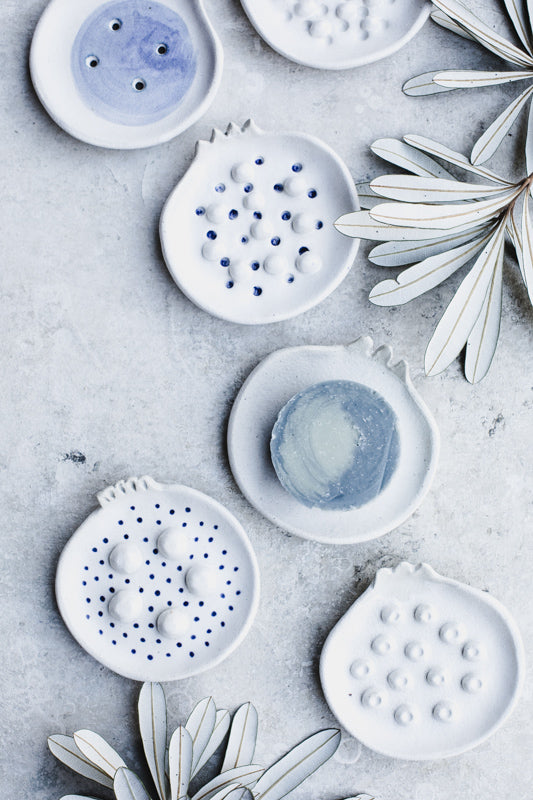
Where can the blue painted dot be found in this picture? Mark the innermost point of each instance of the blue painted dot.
(224, 552)
(197, 619)
(147, 562)
(297, 167)
(155, 551)
(249, 188)
(260, 161)
(157, 592)
(101, 561)
(222, 624)
(84, 583)
(102, 599)
(111, 589)
(125, 635)
(87, 616)
(278, 187)
(86, 568)
(113, 642)
(223, 596)
(286, 215)
(211, 235)
(235, 569)
(179, 644)
(200, 211)
(101, 633)
(200, 524)
(111, 624)
(135, 624)
(151, 625)
(150, 658)
(258, 215)
(150, 609)
(158, 522)
(303, 250)
(290, 279)
(312, 193)
(87, 599)
(132, 508)
(257, 291)
(139, 519)
(244, 240)
(171, 512)
(180, 568)
(191, 654)
(201, 603)
(152, 577)
(210, 539)
(193, 636)
(143, 639)
(105, 541)
(238, 592)
(224, 262)
(157, 505)
(206, 555)
(169, 580)
(158, 641)
(196, 538)
(134, 651)
(121, 522)
(141, 590)
(126, 536)
(233, 214)
(255, 265)
(168, 655)
(213, 613)
(209, 630)
(275, 241)
(229, 285)
(319, 225)
(95, 549)
(185, 603)
(230, 608)
(96, 578)
(206, 644)
(220, 187)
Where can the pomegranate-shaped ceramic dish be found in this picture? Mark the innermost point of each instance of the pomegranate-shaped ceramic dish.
(333, 443)
(125, 73)
(336, 34)
(421, 666)
(159, 583)
(248, 232)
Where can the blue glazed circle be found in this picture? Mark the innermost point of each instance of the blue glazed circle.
(133, 62)
(335, 446)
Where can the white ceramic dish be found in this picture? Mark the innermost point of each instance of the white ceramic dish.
(248, 233)
(285, 373)
(125, 74)
(328, 34)
(422, 667)
(160, 583)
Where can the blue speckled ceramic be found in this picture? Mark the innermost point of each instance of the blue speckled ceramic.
(335, 445)
(133, 62)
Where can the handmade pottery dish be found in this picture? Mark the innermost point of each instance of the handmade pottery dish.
(353, 462)
(126, 73)
(160, 583)
(328, 34)
(248, 232)
(421, 666)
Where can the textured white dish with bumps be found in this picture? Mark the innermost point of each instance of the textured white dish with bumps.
(248, 232)
(421, 666)
(284, 374)
(328, 34)
(160, 583)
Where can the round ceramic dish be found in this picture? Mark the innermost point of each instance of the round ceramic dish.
(127, 73)
(422, 667)
(248, 233)
(328, 34)
(160, 583)
(287, 372)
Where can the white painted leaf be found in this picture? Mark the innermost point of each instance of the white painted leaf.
(397, 254)
(483, 33)
(460, 317)
(234, 791)
(481, 344)
(200, 725)
(300, 762)
(76, 797)
(452, 157)
(488, 143)
(527, 247)
(445, 217)
(450, 24)
(127, 786)
(414, 189)
(222, 723)
(529, 142)
(360, 225)
(180, 762)
(402, 155)
(152, 709)
(425, 275)
(64, 748)
(423, 84)
(367, 198)
(518, 14)
(470, 78)
(242, 738)
(246, 776)
(514, 232)
(99, 752)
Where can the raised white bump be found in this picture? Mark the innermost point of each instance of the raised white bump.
(391, 614)
(404, 715)
(360, 668)
(261, 229)
(415, 651)
(451, 633)
(201, 580)
(371, 698)
(309, 263)
(275, 265)
(173, 623)
(216, 212)
(424, 613)
(173, 543)
(472, 683)
(125, 558)
(381, 645)
(242, 172)
(436, 677)
(303, 223)
(443, 712)
(399, 680)
(126, 605)
(295, 185)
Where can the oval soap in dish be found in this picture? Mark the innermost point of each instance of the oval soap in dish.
(406, 437)
(160, 583)
(421, 666)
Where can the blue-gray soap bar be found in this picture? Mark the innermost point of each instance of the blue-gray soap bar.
(335, 445)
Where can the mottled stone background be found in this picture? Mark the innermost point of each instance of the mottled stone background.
(107, 371)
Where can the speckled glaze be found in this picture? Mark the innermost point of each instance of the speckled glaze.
(126, 73)
(248, 232)
(421, 666)
(328, 34)
(160, 583)
(284, 374)
(335, 445)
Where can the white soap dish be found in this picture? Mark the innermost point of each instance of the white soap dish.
(127, 73)
(280, 378)
(422, 667)
(328, 34)
(160, 583)
(248, 233)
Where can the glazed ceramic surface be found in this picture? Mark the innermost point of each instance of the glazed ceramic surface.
(248, 232)
(421, 666)
(159, 583)
(330, 34)
(125, 74)
(283, 375)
